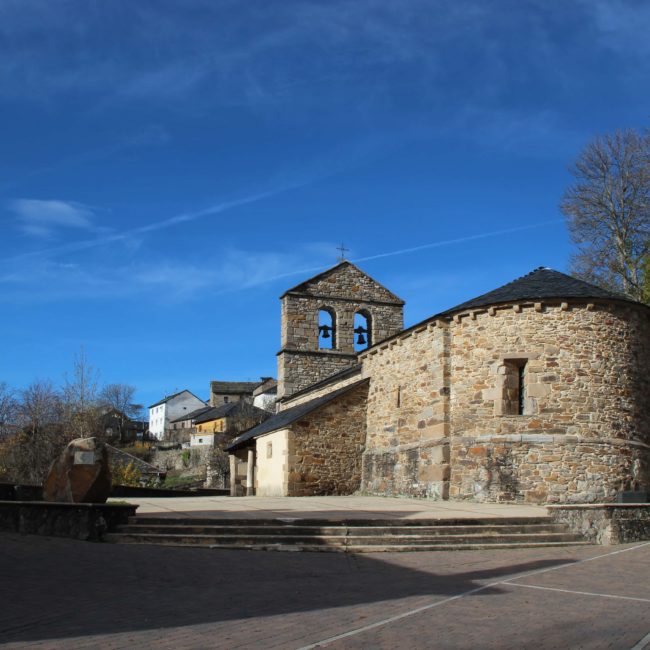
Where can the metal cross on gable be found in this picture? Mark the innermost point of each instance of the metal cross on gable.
(343, 250)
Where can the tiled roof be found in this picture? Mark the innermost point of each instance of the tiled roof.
(542, 283)
(285, 418)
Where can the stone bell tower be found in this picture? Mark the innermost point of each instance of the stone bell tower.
(327, 320)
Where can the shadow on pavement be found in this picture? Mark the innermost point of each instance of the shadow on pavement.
(54, 588)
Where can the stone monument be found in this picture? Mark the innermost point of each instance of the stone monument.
(81, 474)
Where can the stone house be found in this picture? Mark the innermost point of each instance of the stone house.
(183, 426)
(225, 392)
(220, 424)
(534, 392)
(171, 408)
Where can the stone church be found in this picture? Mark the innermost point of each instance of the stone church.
(534, 392)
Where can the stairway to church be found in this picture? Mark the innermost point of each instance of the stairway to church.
(347, 535)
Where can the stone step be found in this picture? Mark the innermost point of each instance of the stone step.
(336, 521)
(370, 531)
(334, 540)
(346, 534)
(358, 548)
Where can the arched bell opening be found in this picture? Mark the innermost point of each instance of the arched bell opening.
(326, 329)
(362, 330)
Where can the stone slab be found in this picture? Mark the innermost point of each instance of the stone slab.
(359, 507)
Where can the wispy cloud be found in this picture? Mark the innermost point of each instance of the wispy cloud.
(254, 53)
(181, 280)
(150, 135)
(42, 218)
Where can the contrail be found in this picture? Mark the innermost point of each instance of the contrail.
(459, 240)
(159, 225)
(404, 251)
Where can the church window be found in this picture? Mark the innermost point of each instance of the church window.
(362, 330)
(399, 396)
(269, 450)
(514, 387)
(326, 329)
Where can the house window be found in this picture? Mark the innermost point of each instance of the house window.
(225, 399)
(269, 450)
(362, 333)
(326, 329)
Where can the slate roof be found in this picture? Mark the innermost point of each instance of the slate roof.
(230, 410)
(332, 379)
(299, 288)
(170, 397)
(191, 415)
(234, 387)
(542, 283)
(216, 412)
(285, 418)
(268, 385)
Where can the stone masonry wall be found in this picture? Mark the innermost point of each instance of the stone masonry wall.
(440, 397)
(407, 445)
(325, 447)
(343, 292)
(297, 370)
(585, 431)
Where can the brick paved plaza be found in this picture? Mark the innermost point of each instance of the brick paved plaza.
(58, 593)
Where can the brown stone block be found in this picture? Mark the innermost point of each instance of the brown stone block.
(478, 451)
(433, 473)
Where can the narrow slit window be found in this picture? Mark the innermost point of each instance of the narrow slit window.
(521, 388)
(514, 387)
(326, 329)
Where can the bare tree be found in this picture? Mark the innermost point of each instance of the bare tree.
(119, 398)
(608, 212)
(30, 454)
(81, 416)
(8, 409)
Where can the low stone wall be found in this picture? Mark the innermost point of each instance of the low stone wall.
(135, 492)
(83, 521)
(13, 492)
(181, 459)
(606, 523)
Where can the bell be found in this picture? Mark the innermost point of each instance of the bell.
(325, 331)
(361, 340)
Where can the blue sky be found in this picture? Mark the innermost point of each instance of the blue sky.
(168, 168)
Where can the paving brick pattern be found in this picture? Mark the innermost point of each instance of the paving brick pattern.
(58, 593)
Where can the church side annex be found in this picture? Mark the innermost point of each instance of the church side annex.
(534, 392)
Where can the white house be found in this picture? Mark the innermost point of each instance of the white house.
(171, 408)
